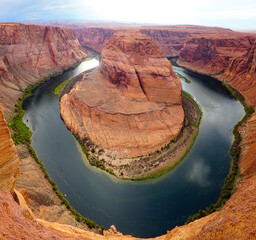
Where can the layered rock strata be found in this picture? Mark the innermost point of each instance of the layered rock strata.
(212, 53)
(132, 104)
(9, 161)
(236, 219)
(29, 52)
(170, 39)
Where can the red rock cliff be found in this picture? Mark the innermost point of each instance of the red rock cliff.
(170, 39)
(29, 52)
(237, 218)
(212, 53)
(9, 161)
(132, 104)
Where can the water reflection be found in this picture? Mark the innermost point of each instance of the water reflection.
(147, 208)
(199, 173)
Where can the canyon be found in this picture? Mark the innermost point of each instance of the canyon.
(211, 53)
(170, 39)
(232, 58)
(28, 53)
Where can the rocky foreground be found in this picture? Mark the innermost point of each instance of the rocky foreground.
(131, 105)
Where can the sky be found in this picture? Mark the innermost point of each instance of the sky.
(235, 14)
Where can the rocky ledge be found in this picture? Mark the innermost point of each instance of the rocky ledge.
(131, 105)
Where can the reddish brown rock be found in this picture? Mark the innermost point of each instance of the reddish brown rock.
(237, 218)
(241, 75)
(9, 161)
(111, 232)
(14, 225)
(239, 72)
(133, 62)
(170, 39)
(132, 104)
(94, 37)
(211, 53)
(29, 52)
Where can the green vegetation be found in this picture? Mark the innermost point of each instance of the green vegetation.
(229, 185)
(183, 77)
(61, 87)
(58, 90)
(93, 160)
(22, 134)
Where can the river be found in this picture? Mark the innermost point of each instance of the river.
(145, 208)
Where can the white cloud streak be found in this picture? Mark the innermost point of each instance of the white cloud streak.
(228, 13)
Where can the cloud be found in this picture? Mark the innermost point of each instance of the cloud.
(199, 173)
(229, 13)
(58, 7)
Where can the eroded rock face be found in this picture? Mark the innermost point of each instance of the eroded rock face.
(237, 218)
(170, 39)
(14, 225)
(132, 104)
(212, 53)
(241, 75)
(29, 52)
(134, 63)
(94, 37)
(9, 161)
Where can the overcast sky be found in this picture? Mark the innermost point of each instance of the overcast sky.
(236, 14)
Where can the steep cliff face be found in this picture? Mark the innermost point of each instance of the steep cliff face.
(170, 39)
(237, 218)
(132, 104)
(212, 53)
(94, 37)
(170, 42)
(9, 161)
(241, 74)
(29, 53)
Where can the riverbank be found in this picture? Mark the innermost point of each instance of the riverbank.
(46, 201)
(234, 176)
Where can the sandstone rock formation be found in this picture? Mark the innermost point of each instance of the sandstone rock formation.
(241, 74)
(14, 225)
(132, 104)
(212, 53)
(93, 37)
(9, 161)
(29, 52)
(170, 39)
